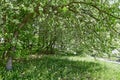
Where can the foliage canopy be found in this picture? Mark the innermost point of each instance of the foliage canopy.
(46, 26)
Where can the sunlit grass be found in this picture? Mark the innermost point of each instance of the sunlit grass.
(61, 68)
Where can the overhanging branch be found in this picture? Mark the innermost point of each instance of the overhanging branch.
(94, 6)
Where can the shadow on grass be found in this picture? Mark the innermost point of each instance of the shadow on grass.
(50, 68)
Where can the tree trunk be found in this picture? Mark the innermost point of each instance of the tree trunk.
(9, 64)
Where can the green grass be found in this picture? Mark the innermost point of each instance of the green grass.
(61, 68)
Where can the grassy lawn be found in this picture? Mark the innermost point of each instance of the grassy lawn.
(61, 68)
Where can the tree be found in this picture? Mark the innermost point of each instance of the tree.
(37, 26)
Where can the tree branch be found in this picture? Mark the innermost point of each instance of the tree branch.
(90, 4)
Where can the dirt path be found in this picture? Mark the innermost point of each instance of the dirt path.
(110, 61)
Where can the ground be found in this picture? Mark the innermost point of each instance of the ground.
(49, 67)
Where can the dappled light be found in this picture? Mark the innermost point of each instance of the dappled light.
(54, 68)
(59, 39)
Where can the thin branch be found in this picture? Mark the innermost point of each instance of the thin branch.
(79, 2)
(90, 4)
(90, 14)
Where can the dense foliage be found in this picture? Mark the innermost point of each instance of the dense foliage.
(47, 26)
(29, 28)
